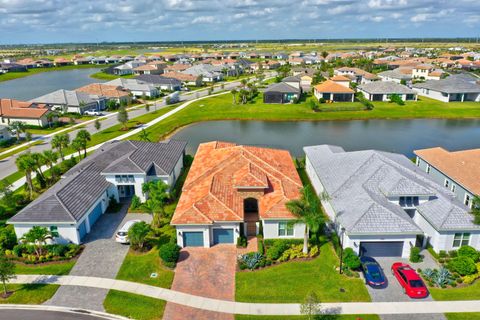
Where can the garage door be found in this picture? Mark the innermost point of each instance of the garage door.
(193, 239)
(222, 236)
(95, 214)
(381, 249)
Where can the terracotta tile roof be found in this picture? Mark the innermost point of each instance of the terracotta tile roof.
(62, 60)
(145, 67)
(224, 174)
(180, 76)
(21, 109)
(339, 78)
(332, 87)
(177, 67)
(461, 166)
(104, 90)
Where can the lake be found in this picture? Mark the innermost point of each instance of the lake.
(400, 136)
(42, 83)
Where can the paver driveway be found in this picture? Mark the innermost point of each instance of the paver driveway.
(102, 257)
(394, 292)
(207, 272)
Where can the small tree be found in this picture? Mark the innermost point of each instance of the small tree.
(61, 142)
(28, 136)
(97, 124)
(234, 95)
(138, 234)
(7, 272)
(17, 127)
(310, 306)
(83, 136)
(147, 107)
(77, 145)
(122, 117)
(37, 236)
(26, 163)
(144, 136)
(476, 209)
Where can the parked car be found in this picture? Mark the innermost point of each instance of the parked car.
(409, 279)
(93, 113)
(372, 272)
(122, 234)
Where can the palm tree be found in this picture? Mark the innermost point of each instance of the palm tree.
(60, 142)
(157, 193)
(234, 95)
(50, 158)
(26, 164)
(78, 146)
(39, 162)
(307, 211)
(17, 127)
(38, 236)
(84, 136)
(144, 136)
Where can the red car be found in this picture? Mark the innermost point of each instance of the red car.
(411, 282)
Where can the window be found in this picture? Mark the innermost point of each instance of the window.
(124, 178)
(285, 229)
(54, 231)
(408, 201)
(453, 187)
(427, 168)
(467, 200)
(446, 184)
(461, 239)
(417, 162)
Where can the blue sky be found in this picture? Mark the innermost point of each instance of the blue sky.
(49, 21)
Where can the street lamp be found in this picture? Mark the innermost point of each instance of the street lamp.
(342, 230)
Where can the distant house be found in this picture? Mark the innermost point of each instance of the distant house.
(398, 75)
(5, 133)
(457, 171)
(127, 68)
(161, 82)
(208, 72)
(80, 61)
(333, 91)
(294, 81)
(115, 93)
(59, 62)
(356, 75)
(383, 90)
(71, 101)
(149, 69)
(281, 93)
(426, 72)
(297, 71)
(185, 78)
(177, 67)
(12, 67)
(450, 89)
(27, 112)
(136, 87)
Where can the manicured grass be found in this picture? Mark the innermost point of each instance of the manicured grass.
(138, 267)
(16, 75)
(134, 306)
(463, 316)
(222, 108)
(322, 317)
(11, 153)
(292, 281)
(471, 292)
(58, 268)
(30, 293)
(106, 76)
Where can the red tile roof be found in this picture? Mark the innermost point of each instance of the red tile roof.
(10, 108)
(332, 87)
(224, 174)
(105, 90)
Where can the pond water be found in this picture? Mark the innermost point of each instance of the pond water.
(400, 136)
(42, 83)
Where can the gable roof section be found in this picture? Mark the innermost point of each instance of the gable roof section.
(450, 85)
(385, 87)
(104, 90)
(65, 97)
(282, 87)
(332, 87)
(21, 109)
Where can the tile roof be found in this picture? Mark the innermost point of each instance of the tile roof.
(220, 174)
(10, 108)
(385, 87)
(461, 166)
(332, 87)
(180, 76)
(158, 79)
(450, 84)
(360, 183)
(66, 97)
(339, 78)
(281, 87)
(104, 90)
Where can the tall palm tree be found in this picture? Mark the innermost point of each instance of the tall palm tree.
(144, 136)
(50, 158)
(307, 210)
(234, 95)
(26, 164)
(17, 127)
(77, 144)
(84, 136)
(60, 142)
(39, 162)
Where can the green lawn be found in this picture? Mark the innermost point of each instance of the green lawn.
(463, 316)
(222, 108)
(471, 292)
(58, 268)
(137, 267)
(15, 75)
(106, 76)
(292, 281)
(134, 306)
(11, 153)
(30, 293)
(323, 317)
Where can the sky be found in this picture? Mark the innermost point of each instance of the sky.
(58, 21)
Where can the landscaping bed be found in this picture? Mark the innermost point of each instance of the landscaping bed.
(47, 254)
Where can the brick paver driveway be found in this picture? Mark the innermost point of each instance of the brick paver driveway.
(207, 272)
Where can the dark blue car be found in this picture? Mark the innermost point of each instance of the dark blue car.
(372, 272)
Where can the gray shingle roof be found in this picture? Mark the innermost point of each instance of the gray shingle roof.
(385, 87)
(158, 80)
(395, 74)
(70, 198)
(450, 85)
(359, 184)
(66, 97)
(131, 84)
(282, 87)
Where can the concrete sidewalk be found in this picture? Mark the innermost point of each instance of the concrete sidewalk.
(285, 309)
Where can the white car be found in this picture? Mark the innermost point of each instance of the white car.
(93, 113)
(122, 234)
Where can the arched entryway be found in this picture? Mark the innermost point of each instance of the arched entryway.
(250, 215)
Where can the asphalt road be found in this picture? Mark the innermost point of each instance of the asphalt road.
(8, 166)
(17, 314)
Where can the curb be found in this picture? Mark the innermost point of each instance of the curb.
(97, 314)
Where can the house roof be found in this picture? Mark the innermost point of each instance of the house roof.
(340, 78)
(396, 74)
(21, 109)
(81, 187)
(360, 182)
(104, 90)
(461, 166)
(158, 80)
(357, 71)
(222, 172)
(385, 87)
(66, 97)
(450, 85)
(131, 84)
(282, 87)
(292, 79)
(180, 76)
(332, 87)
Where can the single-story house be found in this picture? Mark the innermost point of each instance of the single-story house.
(149, 69)
(398, 75)
(5, 133)
(70, 208)
(12, 67)
(383, 90)
(281, 92)
(72, 101)
(33, 114)
(458, 171)
(161, 82)
(136, 87)
(231, 189)
(185, 78)
(177, 67)
(381, 204)
(208, 72)
(356, 75)
(450, 89)
(344, 81)
(127, 68)
(333, 91)
(115, 93)
(62, 62)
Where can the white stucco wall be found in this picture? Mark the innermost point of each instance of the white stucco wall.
(431, 94)
(270, 230)
(193, 228)
(67, 232)
(139, 181)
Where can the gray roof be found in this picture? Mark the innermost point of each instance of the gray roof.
(78, 190)
(395, 74)
(451, 84)
(131, 84)
(385, 87)
(206, 70)
(66, 97)
(360, 184)
(282, 87)
(292, 79)
(158, 80)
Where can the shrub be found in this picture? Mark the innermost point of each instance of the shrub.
(314, 251)
(136, 203)
(57, 250)
(251, 259)
(18, 250)
(470, 278)
(442, 254)
(241, 242)
(73, 250)
(8, 239)
(169, 252)
(397, 99)
(293, 252)
(467, 251)
(322, 100)
(463, 265)
(350, 259)
(276, 250)
(260, 246)
(415, 255)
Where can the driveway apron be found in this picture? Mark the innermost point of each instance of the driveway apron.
(102, 257)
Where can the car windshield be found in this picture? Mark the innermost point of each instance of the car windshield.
(373, 271)
(416, 284)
